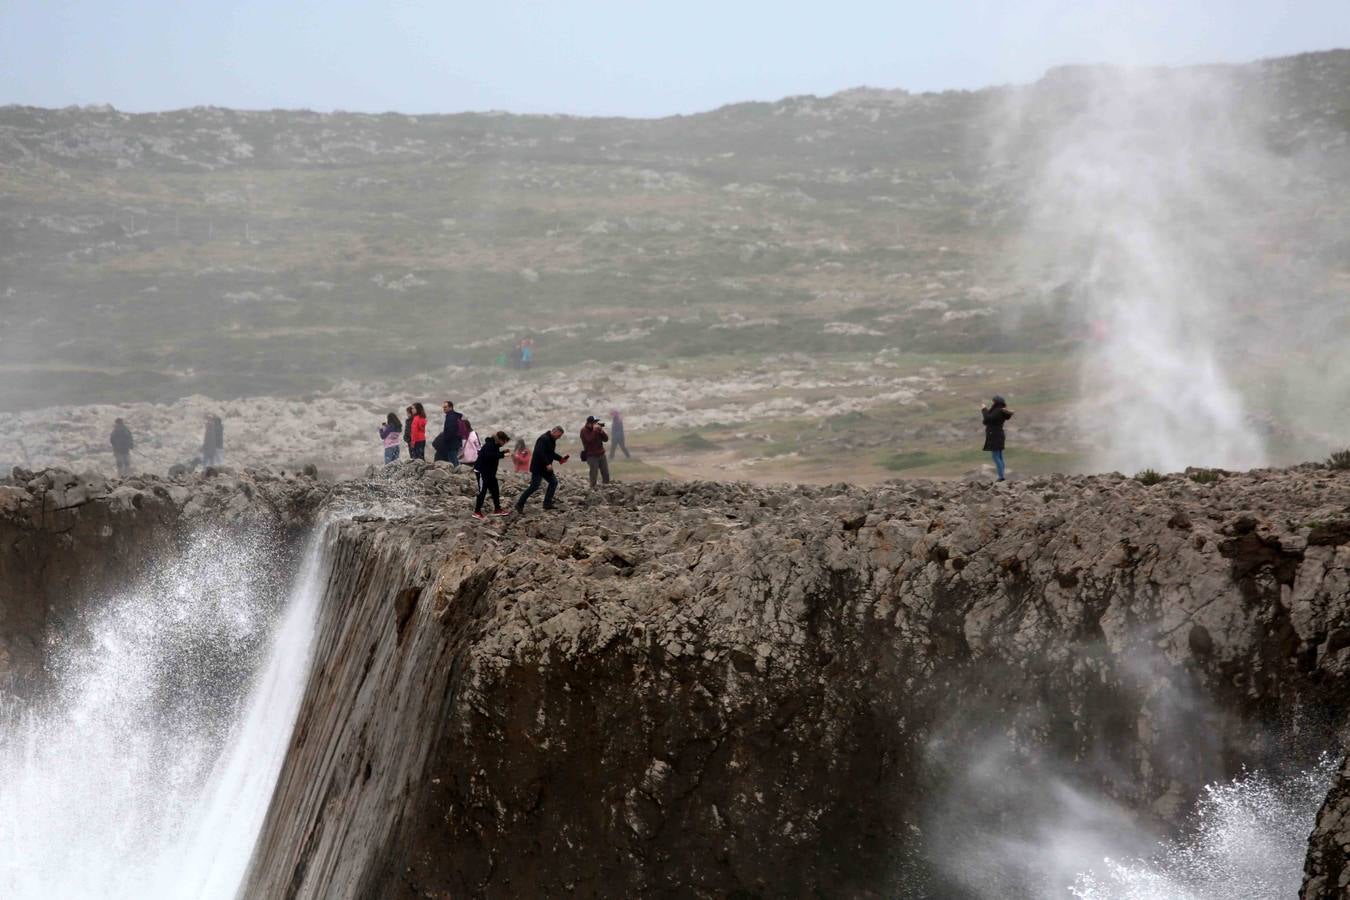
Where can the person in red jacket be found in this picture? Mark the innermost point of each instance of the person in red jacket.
(593, 440)
(521, 458)
(418, 450)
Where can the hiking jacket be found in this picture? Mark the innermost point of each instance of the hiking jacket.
(593, 441)
(993, 427)
(419, 429)
(121, 439)
(545, 453)
(489, 457)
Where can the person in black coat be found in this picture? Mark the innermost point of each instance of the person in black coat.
(122, 444)
(447, 443)
(541, 468)
(490, 456)
(994, 416)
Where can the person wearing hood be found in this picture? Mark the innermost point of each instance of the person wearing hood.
(994, 416)
(122, 443)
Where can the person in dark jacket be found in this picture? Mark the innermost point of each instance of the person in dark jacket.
(407, 429)
(490, 456)
(122, 442)
(593, 440)
(448, 442)
(616, 430)
(418, 448)
(541, 468)
(994, 416)
(213, 444)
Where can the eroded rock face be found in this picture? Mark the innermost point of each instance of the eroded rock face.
(714, 690)
(1327, 872)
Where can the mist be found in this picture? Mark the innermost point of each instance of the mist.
(1176, 211)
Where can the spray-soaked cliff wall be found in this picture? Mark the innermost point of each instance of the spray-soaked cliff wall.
(717, 690)
(66, 540)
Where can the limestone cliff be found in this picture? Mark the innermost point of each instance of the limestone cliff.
(713, 690)
(719, 690)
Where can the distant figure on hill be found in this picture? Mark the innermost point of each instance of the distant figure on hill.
(994, 416)
(541, 468)
(593, 440)
(213, 444)
(521, 457)
(527, 353)
(391, 432)
(616, 429)
(407, 429)
(485, 468)
(122, 442)
(418, 448)
(448, 442)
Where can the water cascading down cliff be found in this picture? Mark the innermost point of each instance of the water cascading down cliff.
(918, 690)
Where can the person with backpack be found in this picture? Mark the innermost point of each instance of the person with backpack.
(593, 440)
(541, 468)
(418, 448)
(122, 443)
(994, 416)
(391, 432)
(489, 456)
(448, 442)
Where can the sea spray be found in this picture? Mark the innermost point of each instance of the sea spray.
(1248, 839)
(146, 769)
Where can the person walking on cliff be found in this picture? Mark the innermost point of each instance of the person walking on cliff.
(541, 468)
(418, 448)
(122, 442)
(391, 432)
(994, 416)
(593, 440)
(213, 443)
(490, 456)
(448, 442)
(616, 429)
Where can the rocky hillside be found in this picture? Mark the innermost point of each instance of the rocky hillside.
(226, 252)
(714, 689)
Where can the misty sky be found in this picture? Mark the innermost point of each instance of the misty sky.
(624, 57)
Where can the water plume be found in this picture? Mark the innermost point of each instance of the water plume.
(1145, 192)
(147, 768)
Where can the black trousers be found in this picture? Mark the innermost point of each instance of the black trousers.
(487, 484)
(536, 478)
(418, 450)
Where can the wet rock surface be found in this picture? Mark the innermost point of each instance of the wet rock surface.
(721, 690)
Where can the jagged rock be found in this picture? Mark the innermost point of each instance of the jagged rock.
(712, 690)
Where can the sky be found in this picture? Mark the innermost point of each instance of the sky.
(602, 57)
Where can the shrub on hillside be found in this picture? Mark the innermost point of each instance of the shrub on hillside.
(1339, 460)
(1148, 477)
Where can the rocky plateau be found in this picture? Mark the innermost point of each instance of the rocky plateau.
(724, 690)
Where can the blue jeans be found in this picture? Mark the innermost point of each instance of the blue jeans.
(391, 454)
(998, 462)
(535, 479)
